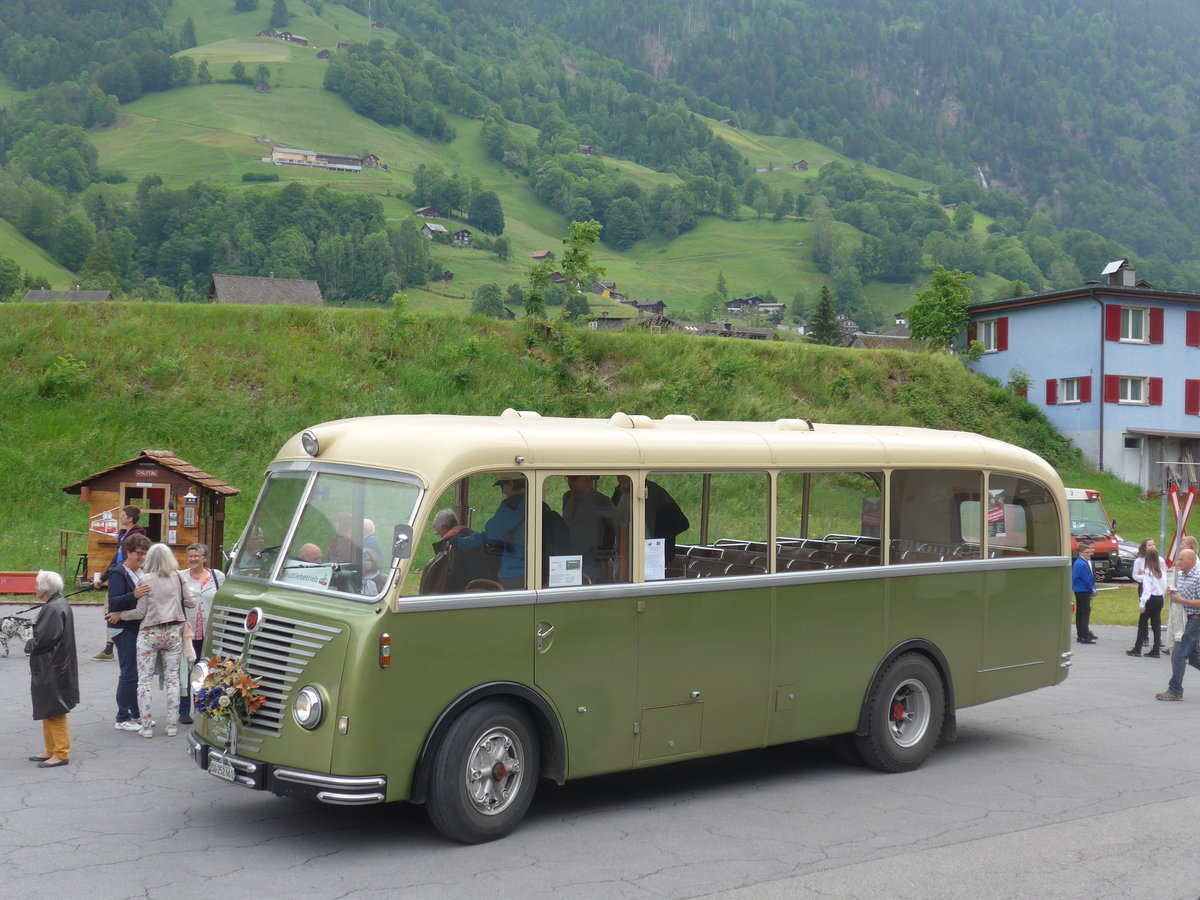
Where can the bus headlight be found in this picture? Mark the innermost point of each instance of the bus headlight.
(197, 675)
(307, 708)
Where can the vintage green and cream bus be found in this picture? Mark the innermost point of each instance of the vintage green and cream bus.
(685, 588)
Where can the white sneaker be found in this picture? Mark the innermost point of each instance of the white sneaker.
(146, 732)
(171, 731)
(129, 725)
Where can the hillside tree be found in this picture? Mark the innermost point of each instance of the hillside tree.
(938, 319)
(488, 301)
(279, 15)
(823, 326)
(486, 214)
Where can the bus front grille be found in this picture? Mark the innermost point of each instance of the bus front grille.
(278, 653)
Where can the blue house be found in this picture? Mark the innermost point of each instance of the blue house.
(1114, 364)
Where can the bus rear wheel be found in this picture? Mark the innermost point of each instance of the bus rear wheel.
(904, 715)
(484, 773)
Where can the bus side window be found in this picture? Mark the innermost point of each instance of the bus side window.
(706, 525)
(1022, 518)
(828, 520)
(585, 529)
(924, 513)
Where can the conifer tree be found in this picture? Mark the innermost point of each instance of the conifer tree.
(823, 328)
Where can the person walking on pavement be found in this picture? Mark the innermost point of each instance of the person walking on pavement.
(1187, 594)
(1083, 583)
(1152, 587)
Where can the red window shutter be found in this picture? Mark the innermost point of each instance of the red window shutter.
(1112, 322)
(1156, 385)
(1156, 326)
(1191, 397)
(1193, 328)
(1002, 333)
(1112, 388)
(1085, 389)
(1051, 391)
(972, 332)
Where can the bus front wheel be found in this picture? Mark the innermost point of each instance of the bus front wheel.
(904, 715)
(484, 773)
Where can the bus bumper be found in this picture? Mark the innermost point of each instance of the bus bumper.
(339, 790)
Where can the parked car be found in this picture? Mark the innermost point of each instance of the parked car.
(1126, 554)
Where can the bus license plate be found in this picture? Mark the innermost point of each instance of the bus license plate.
(221, 770)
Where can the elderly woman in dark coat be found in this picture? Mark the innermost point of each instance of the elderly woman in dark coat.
(54, 669)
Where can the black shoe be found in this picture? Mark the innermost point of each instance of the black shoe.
(1153, 654)
(49, 765)
(1134, 653)
(1093, 636)
(1086, 640)
(185, 719)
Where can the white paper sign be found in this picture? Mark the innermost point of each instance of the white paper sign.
(655, 565)
(566, 571)
(172, 535)
(300, 572)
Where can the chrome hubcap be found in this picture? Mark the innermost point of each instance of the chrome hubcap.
(494, 771)
(909, 713)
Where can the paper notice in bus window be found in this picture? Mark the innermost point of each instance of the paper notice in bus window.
(656, 564)
(566, 571)
(300, 572)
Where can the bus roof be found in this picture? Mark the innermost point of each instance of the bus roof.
(439, 447)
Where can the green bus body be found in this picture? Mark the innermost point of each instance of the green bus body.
(615, 676)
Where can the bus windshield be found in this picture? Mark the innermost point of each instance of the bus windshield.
(328, 532)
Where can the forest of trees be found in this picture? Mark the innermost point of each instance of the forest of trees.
(1088, 144)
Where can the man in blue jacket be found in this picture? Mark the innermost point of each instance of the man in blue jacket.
(1083, 583)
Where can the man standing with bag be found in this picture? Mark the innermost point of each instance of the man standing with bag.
(1187, 594)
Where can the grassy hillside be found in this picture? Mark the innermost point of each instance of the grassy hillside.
(208, 132)
(224, 386)
(32, 258)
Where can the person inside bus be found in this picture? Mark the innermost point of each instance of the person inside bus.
(591, 526)
(664, 518)
(342, 548)
(311, 553)
(504, 534)
(453, 567)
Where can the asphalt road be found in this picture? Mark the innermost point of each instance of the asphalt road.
(1087, 790)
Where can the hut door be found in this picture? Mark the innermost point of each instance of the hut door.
(152, 500)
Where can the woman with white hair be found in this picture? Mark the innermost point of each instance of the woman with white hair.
(162, 613)
(54, 670)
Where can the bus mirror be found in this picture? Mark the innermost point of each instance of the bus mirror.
(402, 542)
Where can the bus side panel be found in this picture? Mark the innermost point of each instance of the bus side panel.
(436, 656)
(1026, 632)
(829, 636)
(944, 607)
(587, 667)
(709, 650)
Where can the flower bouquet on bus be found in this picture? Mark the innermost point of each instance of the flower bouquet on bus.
(228, 692)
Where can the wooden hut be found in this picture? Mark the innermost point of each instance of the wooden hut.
(180, 505)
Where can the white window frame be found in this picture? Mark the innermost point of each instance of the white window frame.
(1135, 325)
(1068, 390)
(1134, 390)
(988, 332)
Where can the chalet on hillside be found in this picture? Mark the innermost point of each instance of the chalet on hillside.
(76, 296)
(800, 165)
(430, 229)
(324, 54)
(461, 238)
(269, 291)
(426, 212)
(587, 149)
(539, 255)
(647, 308)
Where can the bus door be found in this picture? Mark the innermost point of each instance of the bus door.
(704, 646)
(585, 658)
